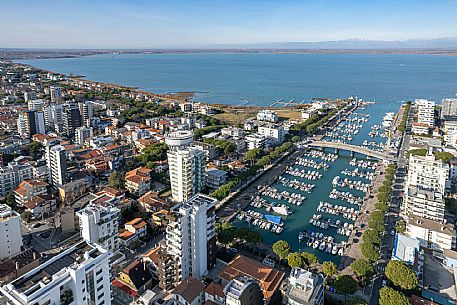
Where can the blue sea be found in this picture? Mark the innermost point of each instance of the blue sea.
(264, 78)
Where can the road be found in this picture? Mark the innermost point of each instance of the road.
(394, 209)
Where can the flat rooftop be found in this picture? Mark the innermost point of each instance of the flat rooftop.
(27, 284)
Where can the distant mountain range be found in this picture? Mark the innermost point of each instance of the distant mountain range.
(354, 43)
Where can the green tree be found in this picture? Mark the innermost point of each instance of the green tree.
(445, 156)
(248, 235)
(401, 275)
(294, 260)
(369, 251)
(295, 138)
(345, 284)
(371, 236)
(281, 248)
(35, 147)
(389, 296)
(362, 268)
(377, 216)
(264, 161)
(11, 201)
(329, 268)
(116, 180)
(26, 216)
(253, 154)
(400, 226)
(381, 206)
(309, 258)
(383, 197)
(226, 233)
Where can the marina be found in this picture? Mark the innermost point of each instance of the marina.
(318, 197)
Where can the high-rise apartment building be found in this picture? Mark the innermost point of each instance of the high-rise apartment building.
(79, 275)
(56, 94)
(189, 247)
(98, 223)
(31, 95)
(10, 226)
(30, 122)
(449, 109)
(425, 111)
(83, 135)
(186, 165)
(37, 105)
(425, 187)
(86, 110)
(13, 174)
(53, 116)
(57, 165)
(71, 119)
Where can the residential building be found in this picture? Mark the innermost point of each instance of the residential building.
(425, 111)
(214, 293)
(189, 292)
(71, 119)
(243, 290)
(233, 132)
(30, 122)
(407, 249)
(189, 248)
(304, 288)
(186, 166)
(215, 177)
(151, 202)
(78, 275)
(56, 94)
(30, 95)
(274, 131)
(138, 181)
(425, 187)
(268, 278)
(57, 164)
(83, 135)
(37, 105)
(256, 140)
(18, 265)
(10, 226)
(267, 116)
(28, 189)
(136, 277)
(420, 128)
(42, 205)
(432, 234)
(449, 109)
(98, 223)
(134, 229)
(13, 174)
(86, 109)
(53, 115)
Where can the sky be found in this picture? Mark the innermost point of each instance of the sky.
(201, 23)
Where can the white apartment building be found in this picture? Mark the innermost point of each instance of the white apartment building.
(425, 111)
(425, 187)
(10, 228)
(304, 288)
(83, 135)
(37, 105)
(233, 132)
(57, 164)
(190, 241)
(267, 116)
(13, 174)
(243, 290)
(449, 109)
(79, 275)
(450, 133)
(56, 94)
(186, 165)
(98, 223)
(276, 132)
(87, 112)
(256, 140)
(31, 95)
(30, 122)
(53, 115)
(432, 234)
